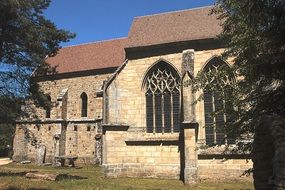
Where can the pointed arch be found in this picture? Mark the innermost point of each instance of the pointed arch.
(84, 104)
(187, 75)
(187, 79)
(214, 102)
(161, 85)
(161, 63)
(214, 61)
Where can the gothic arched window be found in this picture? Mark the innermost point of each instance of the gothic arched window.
(162, 92)
(84, 100)
(48, 109)
(214, 102)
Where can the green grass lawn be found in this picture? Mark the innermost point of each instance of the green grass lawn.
(12, 177)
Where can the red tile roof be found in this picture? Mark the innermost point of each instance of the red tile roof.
(185, 25)
(192, 24)
(97, 55)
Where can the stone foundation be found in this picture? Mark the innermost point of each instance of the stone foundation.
(165, 171)
(223, 168)
(216, 169)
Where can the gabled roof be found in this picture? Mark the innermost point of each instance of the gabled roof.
(185, 25)
(177, 26)
(91, 56)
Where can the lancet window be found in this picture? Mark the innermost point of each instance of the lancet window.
(48, 109)
(84, 104)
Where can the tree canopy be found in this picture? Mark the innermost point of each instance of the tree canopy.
(26, 39)
(253, 32)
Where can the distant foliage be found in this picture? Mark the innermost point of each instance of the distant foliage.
(26, 39)
(6, 138)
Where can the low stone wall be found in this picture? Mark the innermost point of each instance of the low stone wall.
(165, 171)
(223, 168)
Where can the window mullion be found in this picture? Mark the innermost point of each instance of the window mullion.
(153, 111)
(171, 112)
(214, 118)
(162, 111)
(225, 117)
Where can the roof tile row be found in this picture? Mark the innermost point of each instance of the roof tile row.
(185, 25)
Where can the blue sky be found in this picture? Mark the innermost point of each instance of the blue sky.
(96, 20)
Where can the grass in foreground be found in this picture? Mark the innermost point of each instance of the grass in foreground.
(12, 177)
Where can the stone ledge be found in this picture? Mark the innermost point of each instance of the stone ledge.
(152, 137)
(223, 156)
(49, 121)
(149, 139)
(114, 127)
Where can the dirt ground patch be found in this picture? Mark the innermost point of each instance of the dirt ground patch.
(4, 161)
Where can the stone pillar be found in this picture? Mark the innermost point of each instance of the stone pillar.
(41, 153)
(190, 153)
(188, 61)
(61, 104)
(188, 75)
(20, 144)
(62, 140)
(56, 144)
(98, 149)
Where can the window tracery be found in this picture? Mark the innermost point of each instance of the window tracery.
(162, 87)
(214, 104)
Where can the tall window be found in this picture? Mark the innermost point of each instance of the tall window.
(48, 109)
(214, 103)
(162, 92)
(84, 100)
(214, 123)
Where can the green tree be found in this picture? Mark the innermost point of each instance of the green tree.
(26, 38)
(10, 108)
(253, 32)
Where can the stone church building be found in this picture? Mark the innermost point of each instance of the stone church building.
(123, 103)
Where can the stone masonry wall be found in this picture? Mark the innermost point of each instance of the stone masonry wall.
(29, 136)
(137, 153)
(79, 143)
(128, 156)
(76, 86)
(126, 98)
(224, 169)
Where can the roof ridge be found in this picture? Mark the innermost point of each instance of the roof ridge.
(168, 12)
(95, 42)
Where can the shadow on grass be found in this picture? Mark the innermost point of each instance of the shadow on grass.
(17, 188)
(12, 174)
(67, 177)
(59, 177)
